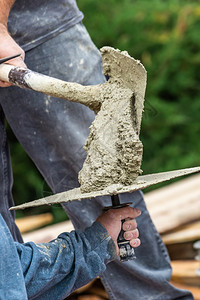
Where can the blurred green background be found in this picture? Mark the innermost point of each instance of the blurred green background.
(165, 36)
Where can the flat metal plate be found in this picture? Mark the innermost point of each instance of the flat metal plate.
(141, 182)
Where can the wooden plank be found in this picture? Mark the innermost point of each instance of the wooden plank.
(184, 271)
(176, 204)
(99, 292)
(95, 287)
(33, 222)
(48, 233)
(175, 212)
(85, 288)
(173, 190)
(187, 233)
(89, 297)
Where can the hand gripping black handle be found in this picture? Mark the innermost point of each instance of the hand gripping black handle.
(126, 251)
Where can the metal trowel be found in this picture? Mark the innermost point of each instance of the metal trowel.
(142, 182)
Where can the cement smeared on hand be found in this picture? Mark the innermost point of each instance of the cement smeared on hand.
(114, 150)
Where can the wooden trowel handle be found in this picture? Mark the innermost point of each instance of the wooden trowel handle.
(25, 78)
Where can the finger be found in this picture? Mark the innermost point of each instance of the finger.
(130, 235)
(4, 84)
(129, 225)
(18, 62)
(124, 213)
(135, 243)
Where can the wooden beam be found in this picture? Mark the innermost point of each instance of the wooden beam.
(33, 222)
(187, 233)
(48, 233)
(184, 271)
(176, 204)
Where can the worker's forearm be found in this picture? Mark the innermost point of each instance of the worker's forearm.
(6, 6)
(67, 263)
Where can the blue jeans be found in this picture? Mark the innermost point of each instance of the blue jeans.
(53, 131)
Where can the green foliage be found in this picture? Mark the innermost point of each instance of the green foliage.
(164, 35)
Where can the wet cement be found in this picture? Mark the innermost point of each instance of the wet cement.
(114, 150)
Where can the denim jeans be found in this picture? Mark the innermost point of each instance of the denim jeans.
(53, 131)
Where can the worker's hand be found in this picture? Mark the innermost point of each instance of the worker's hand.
(111, 220)
(9, 47)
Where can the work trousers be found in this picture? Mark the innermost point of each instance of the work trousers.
(53, 132)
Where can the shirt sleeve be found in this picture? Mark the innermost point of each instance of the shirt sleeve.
(54, 270)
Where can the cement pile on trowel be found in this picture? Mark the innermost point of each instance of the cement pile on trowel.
(114, 150)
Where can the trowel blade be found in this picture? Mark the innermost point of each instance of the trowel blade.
(141, 182)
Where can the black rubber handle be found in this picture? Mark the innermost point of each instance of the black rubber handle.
(126, 251)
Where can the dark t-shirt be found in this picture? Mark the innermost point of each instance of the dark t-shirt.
(31, 22)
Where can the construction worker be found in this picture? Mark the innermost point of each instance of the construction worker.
(53, 131)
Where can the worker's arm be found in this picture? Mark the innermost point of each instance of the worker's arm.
(56, 269)
(8, 46)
